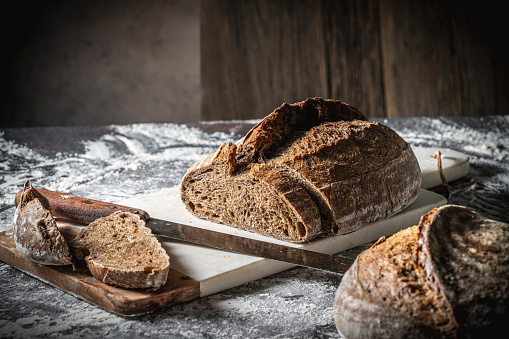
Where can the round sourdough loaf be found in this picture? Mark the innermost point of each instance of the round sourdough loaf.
(447, 277)
(314, 168)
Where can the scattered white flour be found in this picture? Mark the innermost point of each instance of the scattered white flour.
(493, 145)
(486, 144)
(127, 161)
(126, 150)
(131, 158)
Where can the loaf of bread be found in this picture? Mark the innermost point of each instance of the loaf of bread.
(35, 231)
(314, 168)
(447, 277)
(121, 250)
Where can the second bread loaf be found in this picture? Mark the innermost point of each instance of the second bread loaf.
(447, 277)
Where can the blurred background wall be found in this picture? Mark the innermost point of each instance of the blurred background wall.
(89, 62)
(102, 62)
(388, 58)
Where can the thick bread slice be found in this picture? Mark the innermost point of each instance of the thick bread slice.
(342, 171)
(120, 250)
(35, 231)
(446, 277)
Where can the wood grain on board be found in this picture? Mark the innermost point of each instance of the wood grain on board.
(179, 288)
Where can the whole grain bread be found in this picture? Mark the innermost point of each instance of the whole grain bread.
(314, 168)
(447, 277)
(35, 231)
(121, 250)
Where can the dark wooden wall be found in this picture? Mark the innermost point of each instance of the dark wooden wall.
(113, 62)
(388, 58)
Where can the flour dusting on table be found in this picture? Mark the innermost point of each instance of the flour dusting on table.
(485, 140)
(129, 160)
(113, 163)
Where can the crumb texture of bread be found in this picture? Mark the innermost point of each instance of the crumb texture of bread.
(36, 234)
(121, 250)
(314, 168)
(447, 277)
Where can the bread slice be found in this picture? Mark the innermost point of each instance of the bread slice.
(447, 277)
(121, 250)
(317, 167)
(35, 231)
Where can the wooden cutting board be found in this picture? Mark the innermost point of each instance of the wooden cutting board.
(198, 271)
(79, 282)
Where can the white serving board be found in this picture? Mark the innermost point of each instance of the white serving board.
(219, 270)
(455, 165)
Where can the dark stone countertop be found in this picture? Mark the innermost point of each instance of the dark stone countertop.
(112, 163)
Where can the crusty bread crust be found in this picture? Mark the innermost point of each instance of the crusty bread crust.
(317, 167)
(153, 278)
(446, 277)
(35, 231)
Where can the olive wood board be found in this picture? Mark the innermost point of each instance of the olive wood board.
(198, 271)
(79, 282)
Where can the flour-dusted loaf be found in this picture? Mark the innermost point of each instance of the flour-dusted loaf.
(35, 231)
(447, 277)
(121, 250)
(317, 167)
